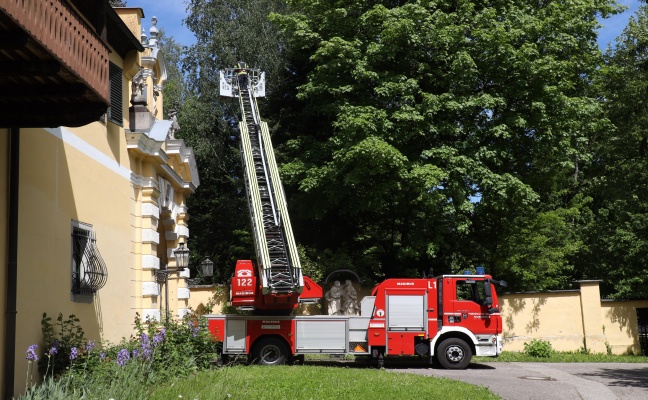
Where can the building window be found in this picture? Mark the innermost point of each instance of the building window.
(115, 111)
(89, 272)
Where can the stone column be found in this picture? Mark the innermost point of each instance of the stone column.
(150, 239)
(182, 231)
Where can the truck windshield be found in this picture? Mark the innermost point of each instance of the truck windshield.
(471, 291)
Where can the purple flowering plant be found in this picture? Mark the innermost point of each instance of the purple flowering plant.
(171, 341)
(164, 347)
(31, 353)
(123, 356)
(159, 337)
(31, 357)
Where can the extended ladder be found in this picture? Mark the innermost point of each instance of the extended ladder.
(277, 258)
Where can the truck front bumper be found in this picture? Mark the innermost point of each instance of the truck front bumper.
(489, 346)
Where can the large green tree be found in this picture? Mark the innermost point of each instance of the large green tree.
(444, 133)
(618, 235)
(418, 134)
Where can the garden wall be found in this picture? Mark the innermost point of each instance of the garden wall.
(572, 320)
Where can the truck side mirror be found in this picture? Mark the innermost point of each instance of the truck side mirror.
(488, 300)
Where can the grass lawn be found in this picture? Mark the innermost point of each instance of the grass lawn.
(338, 382)
(314, 382)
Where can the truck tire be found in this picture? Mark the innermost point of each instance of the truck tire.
(454, 353)
(270, 351)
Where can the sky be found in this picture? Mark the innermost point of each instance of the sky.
(612, 27)
(171, 13)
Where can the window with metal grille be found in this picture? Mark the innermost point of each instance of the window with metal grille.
(115, 111)
(89, 272)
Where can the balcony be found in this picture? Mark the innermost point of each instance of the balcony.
(54, 62)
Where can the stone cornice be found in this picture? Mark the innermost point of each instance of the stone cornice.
(145, 182)
(156, 56)
(156, 143)
(140, 142)
(186, 156)
(177, 180)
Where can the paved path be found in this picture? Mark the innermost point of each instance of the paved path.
(543, 381)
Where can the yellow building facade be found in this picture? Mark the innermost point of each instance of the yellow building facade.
(100, 208)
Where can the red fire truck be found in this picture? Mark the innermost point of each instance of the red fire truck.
(448, 318)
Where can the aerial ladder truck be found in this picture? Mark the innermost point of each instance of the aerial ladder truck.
(447, 318)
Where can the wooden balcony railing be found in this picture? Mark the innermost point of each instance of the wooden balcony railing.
(69, 39)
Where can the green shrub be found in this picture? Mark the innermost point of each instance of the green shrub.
(61, 337)
(538, 348)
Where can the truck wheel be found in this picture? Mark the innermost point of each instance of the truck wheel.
(454, 354)
(270, 351)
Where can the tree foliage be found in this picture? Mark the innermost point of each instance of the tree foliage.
(431, 134)
(618, 235)
(455, 131)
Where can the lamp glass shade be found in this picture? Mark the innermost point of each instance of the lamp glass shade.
(182, 256)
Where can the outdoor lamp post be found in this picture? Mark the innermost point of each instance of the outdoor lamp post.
(181, 256)
(182, 261)
(207, 267)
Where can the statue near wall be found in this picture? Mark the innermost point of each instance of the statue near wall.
(342, 300)
(349, 299)
(334, 299)
(172, 115)
(138, 88)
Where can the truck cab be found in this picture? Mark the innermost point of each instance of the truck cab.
(448, 318)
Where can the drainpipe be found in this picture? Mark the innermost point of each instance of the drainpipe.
(12, 264)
